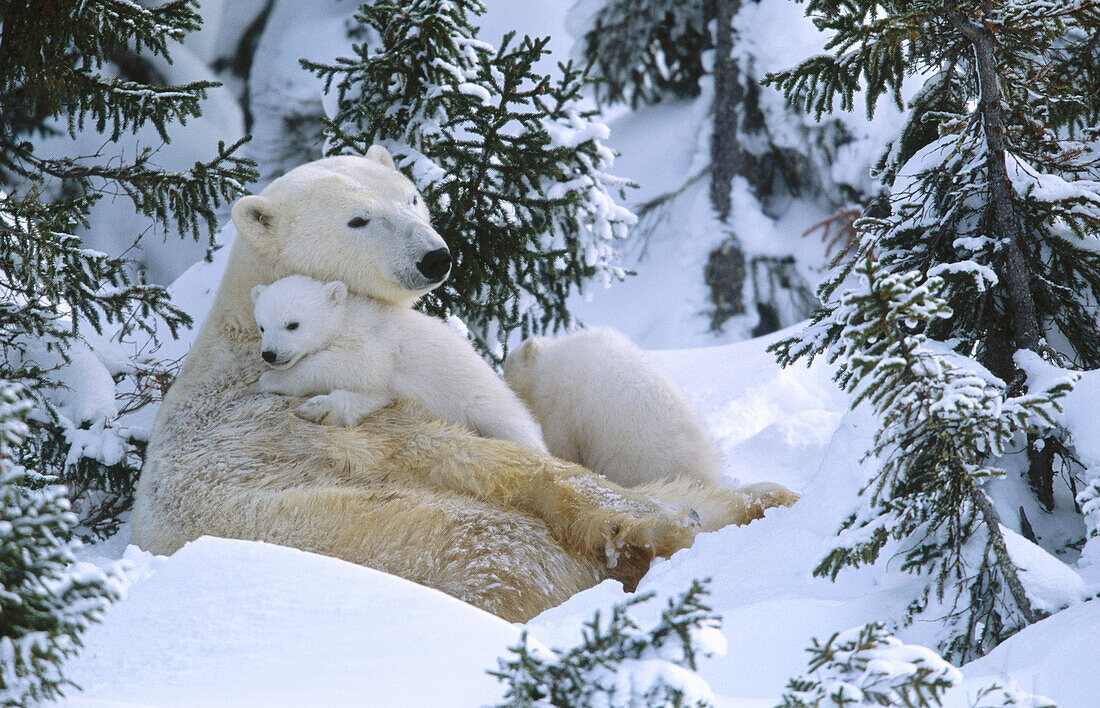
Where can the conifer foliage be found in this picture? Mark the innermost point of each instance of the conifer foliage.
(650, 51)
(943, 416)
(866, 666)
(44, 604)
(510, 162)
(993, 181)
(619, 664)
(59, 73)
(982, 249)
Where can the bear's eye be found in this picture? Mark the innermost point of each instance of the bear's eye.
(415, 200)
(292, 326)
(358, 222)
(261, 330)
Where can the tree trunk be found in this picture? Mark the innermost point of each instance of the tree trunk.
(1014, 270)
(725, 152)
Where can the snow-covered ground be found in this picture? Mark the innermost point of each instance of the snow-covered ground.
(240, 623)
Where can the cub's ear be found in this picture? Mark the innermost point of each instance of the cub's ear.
(530, 349)
(256, 292)
(336, 292)
(381, 155)
(255, 218)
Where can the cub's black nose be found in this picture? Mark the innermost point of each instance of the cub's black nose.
(269, 357)
(436, 264)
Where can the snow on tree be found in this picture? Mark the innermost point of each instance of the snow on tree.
(58, 76)
(995, 178)
(761, 151)
(994, 196)
(866, 666)
(511, 163)
(45, 604)
(943, 416)
(621, 665)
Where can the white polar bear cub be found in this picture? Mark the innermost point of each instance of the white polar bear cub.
(602, 404)
(356, 354)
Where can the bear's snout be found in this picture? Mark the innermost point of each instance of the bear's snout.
(268, 356)
(435, 264)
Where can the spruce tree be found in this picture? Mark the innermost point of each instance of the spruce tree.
(44, 604)
(621, 665)
(510, 161)
(648, 51)
(866, 666)
(943, 416)
(992, 194)
(993, 178)
(60, 74)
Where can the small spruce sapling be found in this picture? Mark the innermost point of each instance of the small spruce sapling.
(45, 605)
(866, 666)
(943, 416)
(621, 665)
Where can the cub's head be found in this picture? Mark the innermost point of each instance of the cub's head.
(521, 366)
(297, 316)
(349, 218)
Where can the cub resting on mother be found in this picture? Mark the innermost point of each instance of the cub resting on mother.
(503, 527)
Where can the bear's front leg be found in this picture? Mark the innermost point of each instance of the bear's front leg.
(282, 382)
(343, 408)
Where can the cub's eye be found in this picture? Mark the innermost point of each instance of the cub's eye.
(292, 326)
(358, 222)
(261, 330)
(415, 200)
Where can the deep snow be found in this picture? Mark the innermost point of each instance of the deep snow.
(239, 623)
(242, 623)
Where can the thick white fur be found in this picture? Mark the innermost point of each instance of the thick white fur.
(355, 355)
(604, 405)
(504, 527)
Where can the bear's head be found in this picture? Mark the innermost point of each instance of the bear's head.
(297, 316)
(349, 218)
(521, 366)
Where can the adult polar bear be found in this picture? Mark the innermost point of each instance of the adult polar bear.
(506, 528)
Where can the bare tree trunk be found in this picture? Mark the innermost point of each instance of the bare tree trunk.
(1025, 322)
(725, 152)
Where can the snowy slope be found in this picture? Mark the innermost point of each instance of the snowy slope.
(238, 623)
(241, 623)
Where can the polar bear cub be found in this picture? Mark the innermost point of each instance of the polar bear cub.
(601, 403)
(355, 355)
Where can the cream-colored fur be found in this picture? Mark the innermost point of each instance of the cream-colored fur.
(602, 404)
(504, 527)
(355, 355)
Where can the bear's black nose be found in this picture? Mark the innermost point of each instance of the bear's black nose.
(269, 357)
(436, 264)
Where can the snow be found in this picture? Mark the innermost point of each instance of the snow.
(229, 622)
(233, 622)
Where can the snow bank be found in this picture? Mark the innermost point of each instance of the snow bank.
(234, 623)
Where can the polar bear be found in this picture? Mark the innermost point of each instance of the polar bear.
(355, 355)
(504, 527)
(602, 404)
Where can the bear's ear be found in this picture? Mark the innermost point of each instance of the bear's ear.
(336, 292)
(255, 219)
(381, 155)
(530, 349)
(256, 292)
